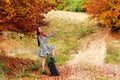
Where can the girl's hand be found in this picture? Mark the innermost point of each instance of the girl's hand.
(47, 52)
(56, 30)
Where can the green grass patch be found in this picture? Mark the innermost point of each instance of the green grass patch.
(113, 52)
(3, 70)
(102, 78)
(73, 6)
(113, 58)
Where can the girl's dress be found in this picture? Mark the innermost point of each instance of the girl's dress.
(42, 38)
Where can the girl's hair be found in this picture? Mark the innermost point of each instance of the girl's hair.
(37, 36)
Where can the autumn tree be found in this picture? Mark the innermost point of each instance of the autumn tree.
(106, 11)
(23, 15)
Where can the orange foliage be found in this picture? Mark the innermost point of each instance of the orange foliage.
(23, 15)
(106, 11)
(12, 66)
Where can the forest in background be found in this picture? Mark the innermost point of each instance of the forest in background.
(25, 16)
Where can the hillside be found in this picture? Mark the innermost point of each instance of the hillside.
(81, 49)
(90, 60)
(6, 43)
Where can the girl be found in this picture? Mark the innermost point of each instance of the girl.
(45, 49)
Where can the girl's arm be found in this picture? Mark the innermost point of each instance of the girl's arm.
(51, 35)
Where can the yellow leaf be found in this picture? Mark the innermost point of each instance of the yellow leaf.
(7, 1)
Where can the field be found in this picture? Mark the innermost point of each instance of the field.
(79, 41)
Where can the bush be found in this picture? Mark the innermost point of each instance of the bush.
(107, 12)
(61, 7)
(73, 6)
(23, 16)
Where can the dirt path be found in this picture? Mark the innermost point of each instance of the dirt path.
(90, 61)
(94, 50)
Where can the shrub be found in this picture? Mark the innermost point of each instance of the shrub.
(73, 6)
(106, 11)
(23, 16)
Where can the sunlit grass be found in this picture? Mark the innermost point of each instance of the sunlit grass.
(113, 52)
(72, 5)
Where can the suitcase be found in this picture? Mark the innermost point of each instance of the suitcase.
(52, 67)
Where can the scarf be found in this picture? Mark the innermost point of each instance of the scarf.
(42, 34)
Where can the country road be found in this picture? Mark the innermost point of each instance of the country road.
(88, 64)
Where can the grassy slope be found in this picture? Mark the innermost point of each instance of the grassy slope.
(72, 29)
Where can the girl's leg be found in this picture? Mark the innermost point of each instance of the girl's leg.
(53, 52)
(43, 63)
(53, 55)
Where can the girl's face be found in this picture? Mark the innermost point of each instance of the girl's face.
(40, 30)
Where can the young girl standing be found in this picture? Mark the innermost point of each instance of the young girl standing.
(45, 49)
